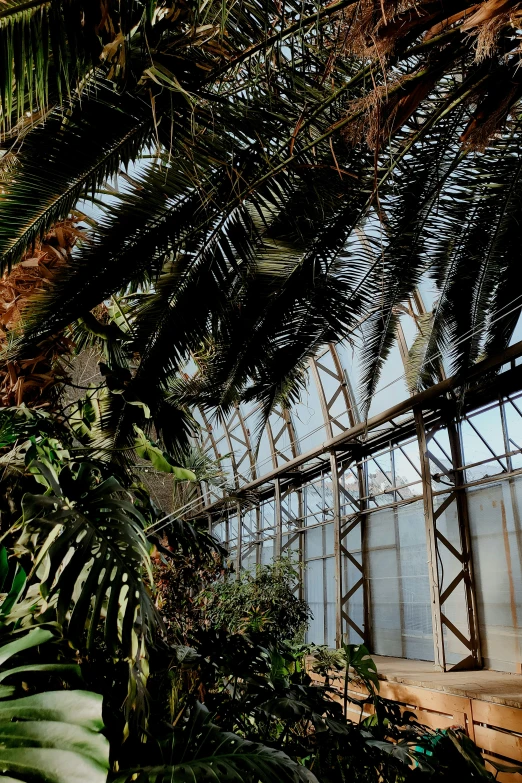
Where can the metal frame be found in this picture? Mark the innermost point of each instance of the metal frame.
(348, 449)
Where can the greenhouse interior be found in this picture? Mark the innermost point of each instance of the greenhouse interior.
(406, 526)
(260, 391)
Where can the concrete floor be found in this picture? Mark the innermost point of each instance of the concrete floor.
(498, 687)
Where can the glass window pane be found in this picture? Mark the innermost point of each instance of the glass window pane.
(496, 535)
(315, 596)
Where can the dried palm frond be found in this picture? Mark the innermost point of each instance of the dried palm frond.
(31, 379)
(414, 45)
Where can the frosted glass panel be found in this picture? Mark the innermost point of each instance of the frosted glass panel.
(417, 628)
(314, 542)
(497, 547)
(449, 568)
(399, 585)
(314, 594)
(267, 551)
(329, 574)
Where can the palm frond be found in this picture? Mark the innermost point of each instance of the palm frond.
(199, 749)
(422, 365)
(474, 251)
(408, 224)
(45, 49)
(75, 151)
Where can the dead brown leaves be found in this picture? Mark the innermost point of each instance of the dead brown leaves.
(31, 380)
(381, 29)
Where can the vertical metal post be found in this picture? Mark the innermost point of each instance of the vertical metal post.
(258, 531)
(398, 559)
(278, 519)
(516, 515)
(239, 541)
(334, 469)
(465, 542)
(431, 544)
(301, 551)
(362, 475)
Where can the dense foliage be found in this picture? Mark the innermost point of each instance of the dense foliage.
(262, 600)
(262, 178)
(192, 665)
(266, 176)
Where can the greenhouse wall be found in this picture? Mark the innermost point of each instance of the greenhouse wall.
(406, 532)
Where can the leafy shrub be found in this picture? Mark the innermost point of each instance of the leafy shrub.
(264, 600)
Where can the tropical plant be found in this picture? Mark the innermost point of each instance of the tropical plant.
(263, 718)
(197, 749)
(253, 183)
(262, 600)
(87, 537)
(50, 734)
(260, 689)
(92, 544)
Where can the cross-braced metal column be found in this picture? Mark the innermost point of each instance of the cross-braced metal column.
(293, 525)
(474, 660)
(334, 468)
(431, 544)
(345, 561)
(455, 553)
(358, 585)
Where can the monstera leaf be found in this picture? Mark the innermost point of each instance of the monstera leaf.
(160, 459)
(20, 423)
(50, 737)
(201, 751)
(359, 659)
(91, 555)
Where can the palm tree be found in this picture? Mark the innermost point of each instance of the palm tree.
(212, 242)
(249, 128)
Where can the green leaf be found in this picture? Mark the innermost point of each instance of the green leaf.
(52, 765)
(146, 450)
(93, 560)
(53, 668)
(81, 708)
(4, 567)
(17, 586)
(504, 767)
(32, 639)
(358, 657)
(55, 734)
(201, 751)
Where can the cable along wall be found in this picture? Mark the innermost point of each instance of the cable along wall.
(408, 534)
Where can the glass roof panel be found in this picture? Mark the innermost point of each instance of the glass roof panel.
(391, 388)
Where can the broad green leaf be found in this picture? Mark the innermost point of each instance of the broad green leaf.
(52, 765)
(81, 708)
(14, 593)
(55, 734)
(50, 737)
(359, 658)
(4, 567)
(53, 668)
(201, 751)
(146, 450)
(93, 559)
(32, 639)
